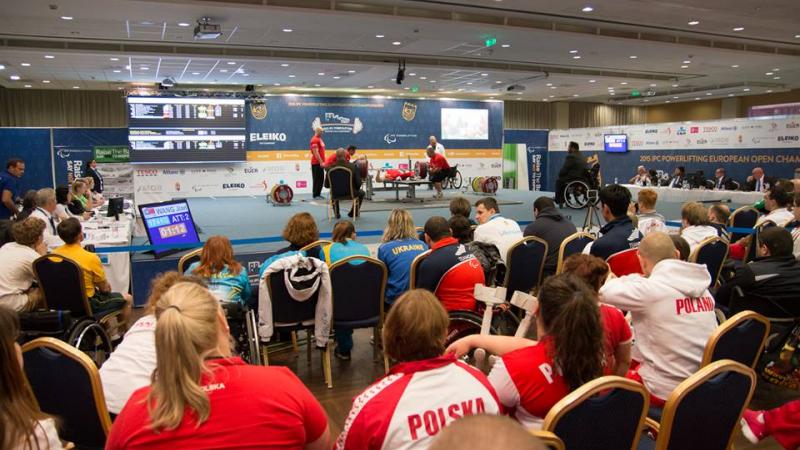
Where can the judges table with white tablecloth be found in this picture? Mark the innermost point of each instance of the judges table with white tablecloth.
(676, 195)
(102, 231)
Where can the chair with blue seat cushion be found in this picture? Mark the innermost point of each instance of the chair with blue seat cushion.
(740, 338)
(574, 243)
(744, 217)
(358, 292)
(704, 410)
(524, 265)
(607, 413)
(712, 252)
(67, 385)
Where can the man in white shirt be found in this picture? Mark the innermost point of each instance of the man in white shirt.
(16, 278)
(673, 314)
(436, 146)
(493, 228)
(649, 219)
(45, 210)
(642, 178)
(695, 227)
(777, 201)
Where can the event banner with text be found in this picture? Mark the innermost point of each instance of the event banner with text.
(737, 145)
(389, 132)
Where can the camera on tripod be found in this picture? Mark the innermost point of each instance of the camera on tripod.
(593, 197)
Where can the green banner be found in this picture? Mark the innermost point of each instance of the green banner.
(112, 153)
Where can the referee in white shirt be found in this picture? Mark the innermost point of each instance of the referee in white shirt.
(436, 146)
(45, 210)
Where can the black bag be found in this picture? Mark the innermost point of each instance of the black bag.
(45, 323)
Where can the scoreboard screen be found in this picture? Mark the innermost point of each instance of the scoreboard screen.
(169, 223)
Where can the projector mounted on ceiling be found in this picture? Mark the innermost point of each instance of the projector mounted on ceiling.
(207, 30)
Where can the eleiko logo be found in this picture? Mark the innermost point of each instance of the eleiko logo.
(233, 186)
(788, 138)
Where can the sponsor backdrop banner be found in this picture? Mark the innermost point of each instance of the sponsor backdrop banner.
(74, 147)
(32, 145)
(390, 132)
(534, 144)
(736, 145)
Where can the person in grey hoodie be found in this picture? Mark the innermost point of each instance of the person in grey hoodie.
(551, 226)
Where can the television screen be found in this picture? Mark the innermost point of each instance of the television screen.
(169, 223)
(465, 124)
(179, 129)
(616, 143)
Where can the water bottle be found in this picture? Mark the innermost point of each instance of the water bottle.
(616, 181)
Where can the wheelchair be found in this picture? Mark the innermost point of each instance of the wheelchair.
(453, 180)
(86, 333)
(244, 331)
(576, 192)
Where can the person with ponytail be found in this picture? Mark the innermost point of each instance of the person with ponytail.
(202, 397)
(23, 426)
(531, 377)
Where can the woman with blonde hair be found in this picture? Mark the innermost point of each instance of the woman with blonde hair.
(399, 411)
(131, 364)
(23, 426)
(399, 246)
(225, 276)
(80, 200)
(202, 397)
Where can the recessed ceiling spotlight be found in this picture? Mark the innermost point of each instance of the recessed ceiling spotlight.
(549, 84)
(76, 87)
(708, 93)
(412, 74)
(587, 8)
(25, 64)
(183, 24)
(684, 66)
(675, 85)
(592, 81)
(576, 57)
(67, 17)
(195, 73)
(777, 69)
(694, 22)
(423, 78)
(505, 45)
(769, 91)
(624, 83)
(470, 83)
(498, 82)
(738, 29)
(697, 98)
(231, 63)
(776, 78)
(573, 51)
(370, 87)
(746, 89)
(484, 74)
(116, 71)
(768, 73)
(730, 95)
(397, 43)
(735, 66)
(223, 70)
(379, 36)
(336, 77)
(144, 68)
(46, 81)
(668, 101)
(113, 59)
(49, 56)
(291, 76)
(551, 96)
(276, 84)
(322, 74)
(432, 81)
(687, 61)
(351, 71)
(633, 57)
(316, 85)
(575, 95)
(653, 85)
(14, 77)
(613, 93)
(287, 30)
(797, 36)
(676, 98)
(553, 87)
(28, 85)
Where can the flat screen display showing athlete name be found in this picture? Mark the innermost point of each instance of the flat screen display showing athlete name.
(616, 143)
(179, 129)
(169, 223)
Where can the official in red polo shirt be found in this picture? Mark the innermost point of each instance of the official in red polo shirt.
(331, 158)
(317, 160)
(439, 169)
(202, 397)
(450, 271)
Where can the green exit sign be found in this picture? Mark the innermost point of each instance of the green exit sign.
(415, 88)
(635, 93)
(490, 41)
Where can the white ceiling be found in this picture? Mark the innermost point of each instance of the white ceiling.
(443, 42)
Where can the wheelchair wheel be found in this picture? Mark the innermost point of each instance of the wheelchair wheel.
(91, 338)
(254, 348)
(456, 180)
(464, 323)
(576, 194)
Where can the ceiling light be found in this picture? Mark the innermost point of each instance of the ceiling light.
(735, 66)
(291, 76)
(14, 77)
(370, 87)
(551, 96)
(633, 57)
(653, 85)
(379, 36)
(687, 61)
(768, 73)
(195, 73)
(746, 89)
(553, 87)
(46, 81)
(76, 87)
(114, 59)
(144, 68)
(730, 95)
(592, 81)
(276, 84)
(128, 67)
(549, 84)
(223, 70)
(25, 64)
(769, 91)
(576, 57)
(624, 83)
(49, 56)
(287, 30)
(28, 85)
(708, 93)
(484, 74)
(587, 9)
(469, 83)
(613, 93)
(776, 69)
(397, 43)
(406, 88)
(684, 66)
(433, 81)
(498, 82)
(575, 95)
(67, 17)
(668, 101)
(797, 36)
(573, 51)
(738, 29)
(322, 74)
(116, 71)
(505, 45)
(412, 74)
(676, 98)
(675, 85)
(423, 78)
(697, 98)
(351, 71)
(336, 77)
(776, 78)
(694, 22)
(231, 63)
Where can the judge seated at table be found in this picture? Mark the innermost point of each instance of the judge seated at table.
(678, 177)
(723, 182)
(642, 177)
(758, 181)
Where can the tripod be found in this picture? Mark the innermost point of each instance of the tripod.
(592, 217)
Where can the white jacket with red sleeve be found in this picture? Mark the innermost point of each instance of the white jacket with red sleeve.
(408, 407)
